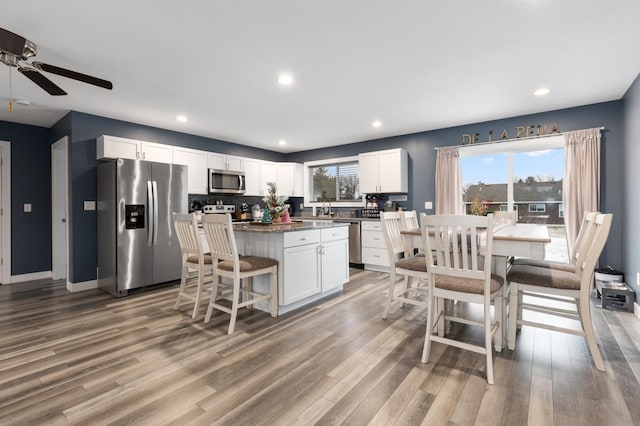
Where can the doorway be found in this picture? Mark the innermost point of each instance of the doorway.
(59, 209)
(5, 212)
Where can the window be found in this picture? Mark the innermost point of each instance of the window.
(335, 180)
(537, 208)
(526, 172)
(561, 211)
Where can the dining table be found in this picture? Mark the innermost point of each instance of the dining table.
(509, 241)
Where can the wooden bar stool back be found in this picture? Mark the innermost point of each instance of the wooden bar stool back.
(218, 230)
(193, 259)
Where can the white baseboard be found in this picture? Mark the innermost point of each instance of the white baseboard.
(43, 275)
(81, 286)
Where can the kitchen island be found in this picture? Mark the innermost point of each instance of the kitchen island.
(313, 258)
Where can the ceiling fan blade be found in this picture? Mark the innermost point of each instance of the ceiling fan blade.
(11, 43)
(42, 81)
(74, 75)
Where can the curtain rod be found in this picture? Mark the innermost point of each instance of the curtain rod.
(512, 139)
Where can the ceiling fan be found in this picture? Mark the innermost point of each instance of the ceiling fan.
(15, 50)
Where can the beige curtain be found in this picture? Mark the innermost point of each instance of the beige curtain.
(448, 182)
(581, 187)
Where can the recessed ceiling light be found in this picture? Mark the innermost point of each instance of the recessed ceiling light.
(376, 124)
(285, 79)
(182, 118)
(542, 91)
(282, 142)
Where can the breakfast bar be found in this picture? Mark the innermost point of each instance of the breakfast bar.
(313, 258)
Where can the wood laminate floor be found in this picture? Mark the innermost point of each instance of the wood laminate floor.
(86, 358)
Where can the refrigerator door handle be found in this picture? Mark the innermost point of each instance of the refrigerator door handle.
(155, 212)
(150, 205)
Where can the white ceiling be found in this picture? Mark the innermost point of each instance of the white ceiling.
(414, 65)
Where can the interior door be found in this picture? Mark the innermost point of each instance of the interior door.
(59, 226)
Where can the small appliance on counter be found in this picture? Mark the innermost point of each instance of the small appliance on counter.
(256, 212)
(390, 206)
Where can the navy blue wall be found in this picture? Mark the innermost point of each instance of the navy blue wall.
(30, 183)
(630, 192)
(421, 148)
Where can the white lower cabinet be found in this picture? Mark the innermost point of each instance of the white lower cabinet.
(335, 263)
(314, 262)
(301, 273)
(374, 248)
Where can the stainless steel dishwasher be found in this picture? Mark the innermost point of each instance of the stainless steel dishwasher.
(355, 255)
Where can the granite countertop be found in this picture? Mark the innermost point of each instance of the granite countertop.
(336, 218)
(296, 225)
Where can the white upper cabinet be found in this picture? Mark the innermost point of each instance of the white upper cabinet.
(269, 173)
(157, 152)
(224, 162)
(131, 149)
(291, 179)
(197, 173)
(384, 171)
(252, 176)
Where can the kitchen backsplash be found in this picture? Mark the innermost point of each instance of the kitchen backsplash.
(237, 200)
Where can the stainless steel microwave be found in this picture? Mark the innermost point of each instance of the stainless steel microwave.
(226, 182)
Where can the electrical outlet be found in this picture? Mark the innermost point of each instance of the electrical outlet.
(27, 208)
(89, 205)
(301, 206)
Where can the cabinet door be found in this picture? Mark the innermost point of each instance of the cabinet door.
(156, 152)
(395, 171)
(197, 168)
(286, 179)
(301, 273)
(269, 173)
(114, 147)
(368, 179)
(253, 182)
(335, 264)
(216, 161)
(235, 163)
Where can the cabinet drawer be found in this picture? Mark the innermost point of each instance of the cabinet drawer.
(375, 256)
(332, 234)
(373, 239)
(298, 238)
(371, 225)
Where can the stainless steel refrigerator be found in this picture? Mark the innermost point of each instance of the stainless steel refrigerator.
(137, 245)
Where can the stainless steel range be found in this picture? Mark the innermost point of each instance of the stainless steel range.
(219, 208)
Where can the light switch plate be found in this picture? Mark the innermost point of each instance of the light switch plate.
(301, 206)
(27, 208)
(89, 205)
(428, 205)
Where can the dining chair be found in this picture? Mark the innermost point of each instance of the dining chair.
(461, 270)
(218, 230)
(558, 285)
(409, 222)
(579, 246)
(193, 259)
(412, 268)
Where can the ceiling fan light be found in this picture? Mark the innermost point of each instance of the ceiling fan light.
(29, 50)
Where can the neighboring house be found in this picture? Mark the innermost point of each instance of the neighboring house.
(535, 202)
